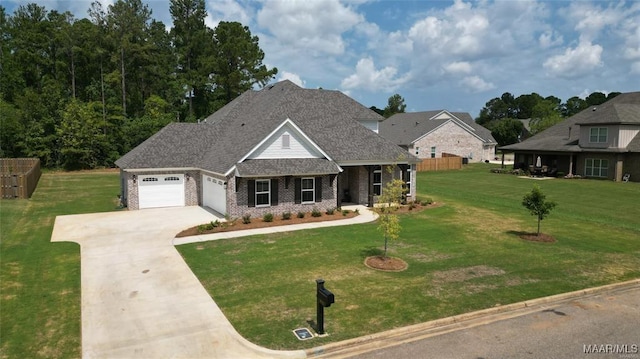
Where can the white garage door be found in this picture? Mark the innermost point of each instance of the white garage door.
(161, 190)
(213, 194)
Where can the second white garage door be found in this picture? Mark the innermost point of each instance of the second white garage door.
(161, 191)
(214, 194)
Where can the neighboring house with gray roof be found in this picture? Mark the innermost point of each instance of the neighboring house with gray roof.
(280, 149)
(601, 141)
(429, 134)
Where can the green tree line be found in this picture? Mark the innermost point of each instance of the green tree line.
(79, 93)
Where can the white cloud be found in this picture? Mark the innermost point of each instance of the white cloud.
(284, 75)
(550, 38)
(227, 10)
(368, 78)
(461, 67)
(477, 84)
(590, 19)
(316, 26)
(576, 61)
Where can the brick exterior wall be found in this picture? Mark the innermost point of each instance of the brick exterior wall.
(237, 200)
(451, 138)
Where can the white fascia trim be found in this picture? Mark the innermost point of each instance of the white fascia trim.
(162, 169)
(464, 124)
(232, 169)
(287, 122)
(180, 169)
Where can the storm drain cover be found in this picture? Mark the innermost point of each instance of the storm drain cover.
(302, 333)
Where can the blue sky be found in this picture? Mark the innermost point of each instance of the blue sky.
(453, 55)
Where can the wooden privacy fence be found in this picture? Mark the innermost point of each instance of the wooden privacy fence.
(19, 177)
(440, 164)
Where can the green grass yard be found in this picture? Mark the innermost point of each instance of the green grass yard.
(40, 280)
(462, 256)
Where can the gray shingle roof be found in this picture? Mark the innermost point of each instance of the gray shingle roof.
(405, 128)
(564, 136)
(329, 118)
(287, 167)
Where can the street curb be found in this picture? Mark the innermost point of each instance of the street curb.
(456, 322)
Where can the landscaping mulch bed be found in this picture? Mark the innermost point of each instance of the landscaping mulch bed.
(537, 238)
(237, 225)
(388, 264)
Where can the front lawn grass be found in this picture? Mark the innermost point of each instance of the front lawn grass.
(463, 256)
(40, 280)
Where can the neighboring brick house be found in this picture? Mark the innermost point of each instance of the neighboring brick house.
(430, 134)
(601, 141)
(280, 149)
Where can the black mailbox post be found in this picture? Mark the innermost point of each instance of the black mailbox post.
(324, 299)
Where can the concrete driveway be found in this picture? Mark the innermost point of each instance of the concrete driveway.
(139, 297)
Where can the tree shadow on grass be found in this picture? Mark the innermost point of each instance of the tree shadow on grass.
(371, 252)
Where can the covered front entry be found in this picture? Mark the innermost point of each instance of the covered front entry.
(161, 191)
(214, 194)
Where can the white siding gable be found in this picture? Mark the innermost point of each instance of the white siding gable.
(370, 124)
(275, 145)
(442, 116)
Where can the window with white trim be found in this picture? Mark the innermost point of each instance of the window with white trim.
(286, 141)
(433, 152)
(598, 135)
(407, 180)
(173, 178)
(595, 167)
(377, 180)
(308, 190)
(150, 179)
(263, 193)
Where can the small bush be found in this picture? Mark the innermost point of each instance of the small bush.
(286, 215)
(268, 217)
(300, 214)
(246, 219)
(330, 211)
(412, 206)
(356, 211)
(345, 212)
(316, 212)
(202, 228)
(427, 202)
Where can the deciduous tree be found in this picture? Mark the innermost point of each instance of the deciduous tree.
(535, 201)
(391, 196)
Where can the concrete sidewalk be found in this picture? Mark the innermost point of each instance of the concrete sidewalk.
(366, 215)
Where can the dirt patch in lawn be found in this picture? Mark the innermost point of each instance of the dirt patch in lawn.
(238, 225)
(463, 274)
(388, 264)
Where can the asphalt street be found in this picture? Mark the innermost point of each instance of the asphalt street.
(600, 326)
